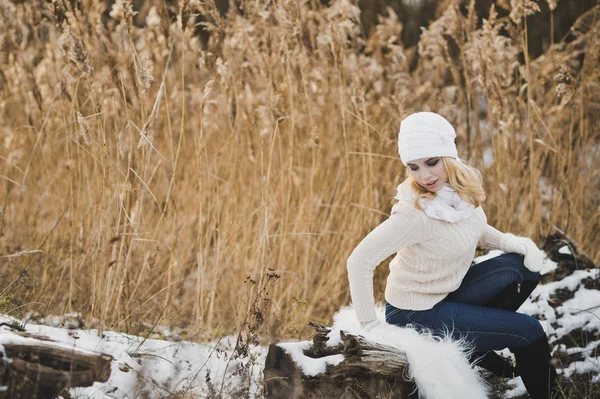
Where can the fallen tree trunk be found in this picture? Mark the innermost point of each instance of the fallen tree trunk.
(36, 368)
(368, 370)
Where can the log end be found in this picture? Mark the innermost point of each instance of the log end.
(44, 371)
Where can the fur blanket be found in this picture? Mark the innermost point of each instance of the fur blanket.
(438, 366)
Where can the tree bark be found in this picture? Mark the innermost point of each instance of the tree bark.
(369, 370)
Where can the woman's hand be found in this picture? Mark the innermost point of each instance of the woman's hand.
(534, 257)
(368, 326)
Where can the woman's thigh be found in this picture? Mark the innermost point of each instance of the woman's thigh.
(489, 278)
(485, 328)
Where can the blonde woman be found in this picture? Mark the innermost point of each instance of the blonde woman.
(434, 230)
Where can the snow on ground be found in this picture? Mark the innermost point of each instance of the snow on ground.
(156, 368)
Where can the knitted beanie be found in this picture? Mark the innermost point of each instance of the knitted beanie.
(425, 135)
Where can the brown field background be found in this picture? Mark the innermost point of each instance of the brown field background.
(155, 175)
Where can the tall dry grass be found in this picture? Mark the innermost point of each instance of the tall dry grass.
(149, 177)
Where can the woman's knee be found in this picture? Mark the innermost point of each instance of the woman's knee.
(523, 333)
(531, 330)
(517, 262)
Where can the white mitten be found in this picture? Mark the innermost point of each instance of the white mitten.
(534, 257)
(371, 325)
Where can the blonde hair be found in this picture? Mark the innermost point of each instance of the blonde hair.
(465, 179)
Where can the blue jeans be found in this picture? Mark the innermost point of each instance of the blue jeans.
(464, 314)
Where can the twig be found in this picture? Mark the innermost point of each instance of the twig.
(189, 385)
(25, 252)
(153, 327)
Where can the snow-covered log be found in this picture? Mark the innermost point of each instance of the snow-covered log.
(32, 367)
(355, 368)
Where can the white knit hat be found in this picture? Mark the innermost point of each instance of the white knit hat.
(426, 135)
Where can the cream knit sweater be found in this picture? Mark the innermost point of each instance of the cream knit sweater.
(432, 258)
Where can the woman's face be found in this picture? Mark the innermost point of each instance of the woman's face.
(429, 173)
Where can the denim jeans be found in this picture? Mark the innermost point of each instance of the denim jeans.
(464, 314)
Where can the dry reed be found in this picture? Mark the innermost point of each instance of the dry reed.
(156, 172)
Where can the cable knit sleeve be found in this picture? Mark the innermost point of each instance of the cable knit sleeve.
(495, 239)
(403, 228)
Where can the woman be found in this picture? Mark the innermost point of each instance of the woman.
(434, 229)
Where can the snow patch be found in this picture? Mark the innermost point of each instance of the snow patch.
(309, 366)
(565, 250)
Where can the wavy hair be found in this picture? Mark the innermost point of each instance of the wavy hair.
(465, 179)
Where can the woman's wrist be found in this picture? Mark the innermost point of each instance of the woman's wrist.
(513, 243)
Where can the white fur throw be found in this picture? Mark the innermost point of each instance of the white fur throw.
(438, 366)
